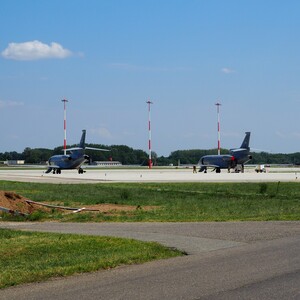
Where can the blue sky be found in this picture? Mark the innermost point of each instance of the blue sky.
(109, 57)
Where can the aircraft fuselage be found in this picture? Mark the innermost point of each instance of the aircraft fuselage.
(222, 161)
(67, 161)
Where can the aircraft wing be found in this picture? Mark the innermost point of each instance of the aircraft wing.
(238, 149)
(209, 166)
(99, 149)
(89, 148)
(50, 168)
(73, 149)
(54, 167)
(204, 167)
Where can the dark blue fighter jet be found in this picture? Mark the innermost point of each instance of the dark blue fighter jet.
(74, 160)
(234, 160)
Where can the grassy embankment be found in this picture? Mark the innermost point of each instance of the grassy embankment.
(173, 201)
(29, 257)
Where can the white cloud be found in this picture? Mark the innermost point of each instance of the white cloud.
(4, 104)
(101, 132)
(34, 50)
(227, 71)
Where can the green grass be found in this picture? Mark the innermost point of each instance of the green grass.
(29, 257)
(174, 201)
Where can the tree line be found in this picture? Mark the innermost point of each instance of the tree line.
(129, 156)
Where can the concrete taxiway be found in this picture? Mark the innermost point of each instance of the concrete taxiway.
(146, 175)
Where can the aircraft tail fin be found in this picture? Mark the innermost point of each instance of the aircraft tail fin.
(245, 143)
(82, 140)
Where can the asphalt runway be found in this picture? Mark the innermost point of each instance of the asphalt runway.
(146, 175)
(240, 260)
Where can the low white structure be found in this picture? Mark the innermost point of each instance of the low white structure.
(109, 163)
(13, 162)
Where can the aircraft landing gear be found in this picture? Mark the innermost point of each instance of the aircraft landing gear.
(203, 169)
(218, 170)
(239, 169)
(80, 171)
(56, 171)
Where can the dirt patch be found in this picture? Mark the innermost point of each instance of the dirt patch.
(14, 203)
(115, 208)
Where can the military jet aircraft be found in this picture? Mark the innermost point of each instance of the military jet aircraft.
(234, 160)
(72, 161)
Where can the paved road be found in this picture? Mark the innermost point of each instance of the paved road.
(240, 260)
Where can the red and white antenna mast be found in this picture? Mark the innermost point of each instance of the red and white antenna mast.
(65, 126)
(218, 104)
(149, 129)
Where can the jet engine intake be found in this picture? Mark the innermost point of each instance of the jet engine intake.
(87, 157)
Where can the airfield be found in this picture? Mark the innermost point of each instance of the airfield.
(226, 260)
(100, 175)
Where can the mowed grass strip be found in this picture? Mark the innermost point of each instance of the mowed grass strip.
(173, 202)
(29, 257)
